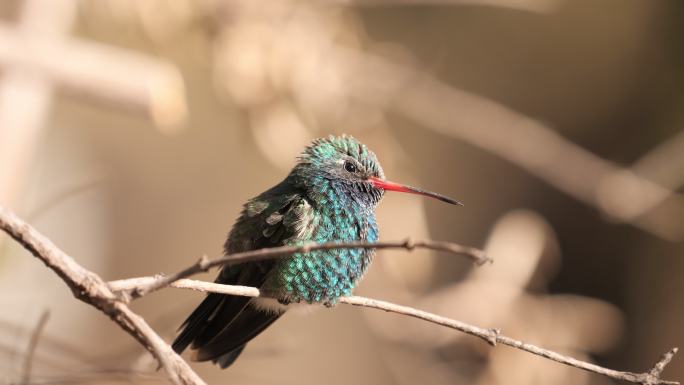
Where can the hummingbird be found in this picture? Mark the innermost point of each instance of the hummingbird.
(329, 196)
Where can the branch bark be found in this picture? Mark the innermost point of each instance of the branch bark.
(204, 264)
(107, 297)
(93, 290)
(491, 336)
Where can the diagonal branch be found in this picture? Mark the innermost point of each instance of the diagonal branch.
(491, 336)
(478, 256)
(93, 290)
(539, 150)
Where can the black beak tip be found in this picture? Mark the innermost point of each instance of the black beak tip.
(450, 201)
(455, 202)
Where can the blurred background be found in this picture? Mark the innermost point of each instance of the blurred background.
(131, 132)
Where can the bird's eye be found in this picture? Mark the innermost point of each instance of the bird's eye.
(350, 167)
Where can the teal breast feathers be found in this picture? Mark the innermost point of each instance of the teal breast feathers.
(325, 275)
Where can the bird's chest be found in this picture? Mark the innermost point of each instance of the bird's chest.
(325, 275)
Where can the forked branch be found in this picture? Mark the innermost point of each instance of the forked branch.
(90, 288)
(203, 264)
(93, 290)
(491, 336)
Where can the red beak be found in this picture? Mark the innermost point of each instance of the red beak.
(391, 186)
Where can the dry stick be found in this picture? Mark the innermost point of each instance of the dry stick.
(91, 289)
(33, 344)
(204, 264)
(491, 336)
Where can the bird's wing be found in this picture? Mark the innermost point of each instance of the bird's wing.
(222, 323)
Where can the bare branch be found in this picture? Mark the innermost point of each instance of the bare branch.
(91, 289)
(491, 336)
(33, 344)
(204, 264)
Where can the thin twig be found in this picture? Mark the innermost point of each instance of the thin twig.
(33, 344)
(491, 336)
(91, 289)
(204, 263)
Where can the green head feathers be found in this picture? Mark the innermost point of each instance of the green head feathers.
(350, 169)
(335, 150)
(340, 163)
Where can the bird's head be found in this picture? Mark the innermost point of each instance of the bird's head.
(341, 164)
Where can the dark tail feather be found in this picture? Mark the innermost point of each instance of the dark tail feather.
(222, 324)
(216, 311)
(197, 322)
(230, 309)
(227, 359)
(227, 345)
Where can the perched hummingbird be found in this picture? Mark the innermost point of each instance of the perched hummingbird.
(330, 195)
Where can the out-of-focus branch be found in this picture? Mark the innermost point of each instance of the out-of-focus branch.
(663, 165)
(31, 349)
(37, 54)
(491, 336)
(135, 81)
(203, 264)
(514, 137)
(24, 96)
(537, 6)
(91, 289)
